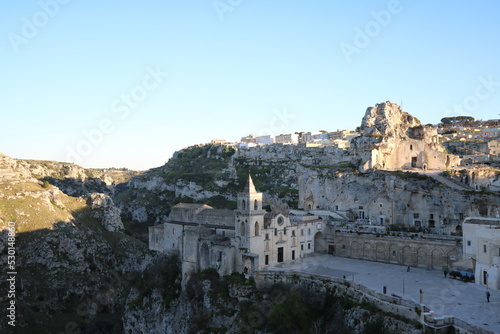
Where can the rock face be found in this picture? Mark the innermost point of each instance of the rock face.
(384, 197)
(388, 119)
(477, 178)
(105, 210)
(326, 177)
(71, 272)
(393, 139)
(213, 175)
(217, 306)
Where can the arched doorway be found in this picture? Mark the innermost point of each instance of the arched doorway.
(407, 256)
(438, 259)
(355, 249)
(204, 256)
(394, 254)
(422, 257)
(381, 252)
(451, 257)
(319, 243)
(367, 251)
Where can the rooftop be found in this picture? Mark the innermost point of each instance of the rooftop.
(482, 221)
(191, 206)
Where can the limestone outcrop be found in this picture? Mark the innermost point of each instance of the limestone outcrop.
(477, 178)
(393, 197)
(388, 119)
(393, 139)
(104, 209)
(66, 262)
(218, 306)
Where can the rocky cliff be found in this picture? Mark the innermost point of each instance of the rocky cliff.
(394, 197)
(307, 178)
(394, 139)
(210, 174)
(79, 272)
(388, 119)
(74, 264)
(233, 304)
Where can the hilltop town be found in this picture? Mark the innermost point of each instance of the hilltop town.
(474, 141)
(390, 192)
(223, 222)
(393, 177)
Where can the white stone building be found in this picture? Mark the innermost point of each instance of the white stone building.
(291, 138)
(265, 140)
(242, 240)
(494, 149)
(246, 146)
(491, 133)
(481, 243)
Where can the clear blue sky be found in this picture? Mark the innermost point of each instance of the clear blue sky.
(233, 66)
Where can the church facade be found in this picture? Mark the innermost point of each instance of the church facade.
(243, 240)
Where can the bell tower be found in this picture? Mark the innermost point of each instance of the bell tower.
(249, 214)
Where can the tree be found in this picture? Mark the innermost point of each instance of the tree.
(457, 120)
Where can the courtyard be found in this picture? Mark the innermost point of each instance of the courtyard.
(444, 296)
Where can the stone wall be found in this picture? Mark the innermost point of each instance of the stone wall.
(297, 153)
(417, 252)
(354, 291)
(359, 293)
(480, 178)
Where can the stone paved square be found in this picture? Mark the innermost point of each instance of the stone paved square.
(444, 296)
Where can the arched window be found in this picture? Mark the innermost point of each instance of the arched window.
(411, 147)
(242, 229)
(256, 229)
(255, 205)
(243, 204)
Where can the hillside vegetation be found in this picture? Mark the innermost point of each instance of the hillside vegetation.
(209, 174)
(71, 271)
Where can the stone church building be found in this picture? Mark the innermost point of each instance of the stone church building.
(242, 240)
(393, 139)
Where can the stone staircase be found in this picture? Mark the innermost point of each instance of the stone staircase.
(447, 181)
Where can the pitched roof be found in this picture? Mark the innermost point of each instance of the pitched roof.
(190, 206)
(249, 187)
(272, 214)
(217, 212)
